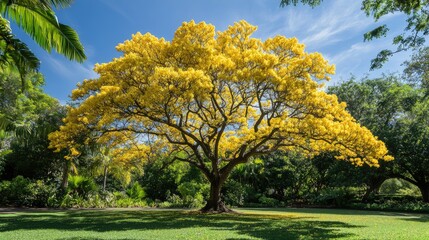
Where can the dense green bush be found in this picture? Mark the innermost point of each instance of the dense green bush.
(269, 202)
(394, 203)
(193, 193)
(21, 191)
(338, 197)
(136, 192)
(15, 192)
(395, 186)
(124, 199)
(42, 193)
(81, 186)
(235, 193)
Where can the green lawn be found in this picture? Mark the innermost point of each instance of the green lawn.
(249, 224)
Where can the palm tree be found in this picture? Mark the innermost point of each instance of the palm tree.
(38, 20)
(107, 161)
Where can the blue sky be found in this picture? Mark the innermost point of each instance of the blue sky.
(334, 29)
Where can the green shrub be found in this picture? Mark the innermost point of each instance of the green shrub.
(119, 195)
(4, 192)
(81, 186)
(189, 188)
(121, 199)
(395, 186)
(335, 197)
(269, 202)
(71, 201)
(235, 193)
(166, 204)
(16, 192)
(192, 194)
(175, 201)
(43, 194)
(136, 192)
(394, 204)
(172, 201)
(21, 191)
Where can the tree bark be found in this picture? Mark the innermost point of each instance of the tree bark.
(105, 178)
(65, 178)
(217, 178)
(424, 189)
(214, 203)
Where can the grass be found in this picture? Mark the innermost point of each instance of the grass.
(179, 224)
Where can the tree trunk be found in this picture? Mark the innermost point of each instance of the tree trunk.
(373, 187)
(105, 178)
(215, 203)
(65, 179)
(424, 189)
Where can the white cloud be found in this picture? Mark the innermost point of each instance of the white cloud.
(356, 51)
(331, 22)
(71, 71)
(357, 58)
(337, 22)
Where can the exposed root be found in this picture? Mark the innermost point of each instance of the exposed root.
(219, 208)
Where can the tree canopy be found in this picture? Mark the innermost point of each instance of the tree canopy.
(26, 118)
(215, 100)
(398, 114)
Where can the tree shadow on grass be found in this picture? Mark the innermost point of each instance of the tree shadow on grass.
(258, 226)
(417, 218)
(338, 211)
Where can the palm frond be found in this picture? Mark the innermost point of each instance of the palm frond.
(5, 123)
(42, 25)
(15, 129)
(15, 53)
(13, 48)
(48, 4)
(56, 3)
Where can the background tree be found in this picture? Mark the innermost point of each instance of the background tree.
(416, 70)
(397, 113)
(20, 109)
(412, 142)
(414, 33)
(26, 119)
(217, 100)
(161, 180)
(30, 156)
(273, 178)
(376, 104)
(104, 161)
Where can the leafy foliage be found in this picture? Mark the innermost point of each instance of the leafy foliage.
(397, 113)
(417, 69)
(14, 52)
(26, 118)
(21, 191)
(81, 186)
(136, 191)
(311, 3)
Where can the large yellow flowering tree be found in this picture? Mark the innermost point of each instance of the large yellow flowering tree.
(215, 100)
